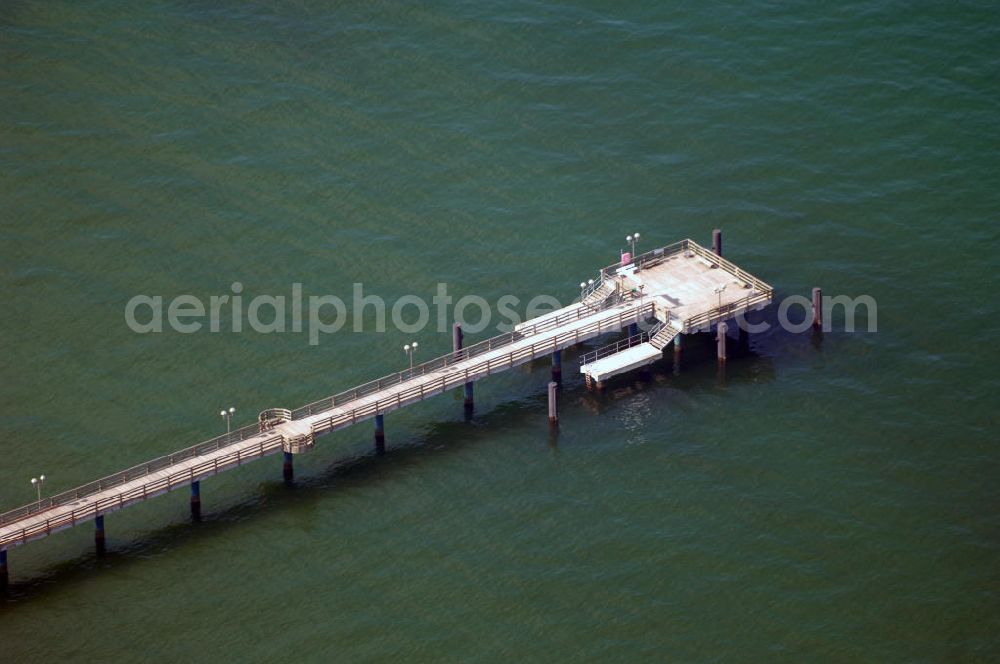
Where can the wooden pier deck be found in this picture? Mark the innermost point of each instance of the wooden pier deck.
(679, 285)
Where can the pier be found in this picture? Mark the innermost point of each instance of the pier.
(680, 289)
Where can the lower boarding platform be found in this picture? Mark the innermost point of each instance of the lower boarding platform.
(625, 360)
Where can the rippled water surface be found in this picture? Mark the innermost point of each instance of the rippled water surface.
(830, 498)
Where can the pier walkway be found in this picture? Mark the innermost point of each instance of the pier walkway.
(684, 286)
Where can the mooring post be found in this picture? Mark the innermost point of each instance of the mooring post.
(380, 434)
(457, 338)
(553, 405)
(99, 533)
(717, 242)
(3, 570)
(196, 500)
(722, 329)
(818, 308)
(557, 366)
(288, 469)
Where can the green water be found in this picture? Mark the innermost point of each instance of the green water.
(830, 499)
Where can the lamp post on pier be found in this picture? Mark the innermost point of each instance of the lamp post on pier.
(632, 239)
(227, 415)
(410, 349)
(718, 291)
(37, 482)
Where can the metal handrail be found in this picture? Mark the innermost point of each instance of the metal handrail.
(725, 264)
(148, 490)
(445, 360)
(450, 380)
(649, 258)
(760, 291)
(592, 288)
(726, 310)
(615, 348)
(130, 474)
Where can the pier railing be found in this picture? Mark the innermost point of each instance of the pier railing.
(146, 490)
(657, 256)
(450, 380)
(727, 310)
(615, 348)
(314, 408)
(649, 258)
(742, 275)
(133, 473)
(592, 288)
(758, 292)
(444, 361)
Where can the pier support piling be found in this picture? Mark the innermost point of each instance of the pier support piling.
(557, 366)
(553, 404)
(99, 533)
(817, 308)
(470, 401)
(721, 341)
(457, 339)
(717, 242)
(633, 329)
(380, 434)
(4, 578)
(288, 469)
(196, 501)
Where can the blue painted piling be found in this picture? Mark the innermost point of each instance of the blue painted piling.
(380, 434)
(99, 533)
(195, 500)
(457, 339)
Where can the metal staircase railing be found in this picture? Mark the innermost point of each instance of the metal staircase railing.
(662, 334)
(615, 348)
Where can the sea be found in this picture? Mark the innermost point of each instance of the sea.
(823, 496)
